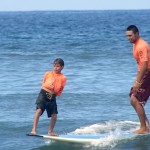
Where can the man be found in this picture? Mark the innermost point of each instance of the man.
(140, 91)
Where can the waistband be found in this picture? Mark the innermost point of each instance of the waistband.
(49, 95)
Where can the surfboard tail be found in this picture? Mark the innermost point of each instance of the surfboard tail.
(36, 135)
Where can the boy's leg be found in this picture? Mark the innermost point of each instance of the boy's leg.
(52, 124)
(36, 120)
(141, 114)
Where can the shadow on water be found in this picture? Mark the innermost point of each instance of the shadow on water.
(141, 142)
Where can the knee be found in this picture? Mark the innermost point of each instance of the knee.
(54, 116)
(39, 112)
(133, 100)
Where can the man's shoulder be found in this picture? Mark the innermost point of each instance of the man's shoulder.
(142, 43)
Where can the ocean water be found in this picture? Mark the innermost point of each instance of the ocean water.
(99, 67)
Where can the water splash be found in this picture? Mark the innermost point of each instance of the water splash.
(115, 131)
(108, 127)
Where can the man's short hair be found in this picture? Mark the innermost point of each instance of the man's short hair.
(133, 28)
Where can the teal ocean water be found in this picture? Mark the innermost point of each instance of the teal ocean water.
(99, 67)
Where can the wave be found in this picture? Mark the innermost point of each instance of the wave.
(107, 127)
(118, 136)
(116, 132)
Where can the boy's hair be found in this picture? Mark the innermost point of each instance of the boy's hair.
(59, 61)
(133, 28)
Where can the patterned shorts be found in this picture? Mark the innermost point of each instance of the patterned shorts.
(47, 102)
(143, 93)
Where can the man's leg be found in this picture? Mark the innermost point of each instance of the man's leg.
(141, 114)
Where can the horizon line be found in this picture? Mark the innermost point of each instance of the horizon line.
(75, 10)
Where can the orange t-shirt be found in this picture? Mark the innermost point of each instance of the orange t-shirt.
(141, 52)
(54, 82)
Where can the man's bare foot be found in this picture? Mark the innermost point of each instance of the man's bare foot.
(141, 131)
(52, 134)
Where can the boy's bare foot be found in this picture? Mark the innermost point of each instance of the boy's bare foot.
(141, 131)
(52, 134)
(33, 132)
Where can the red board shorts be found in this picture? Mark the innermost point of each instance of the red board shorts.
(143, 93)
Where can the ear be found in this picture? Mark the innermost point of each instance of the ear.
(137, 34)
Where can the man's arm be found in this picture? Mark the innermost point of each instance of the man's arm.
(140, 74)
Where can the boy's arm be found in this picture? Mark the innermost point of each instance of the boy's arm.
(44, 78)
(62, 87)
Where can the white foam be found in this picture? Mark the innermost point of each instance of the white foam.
(114, 130)
(107, 127)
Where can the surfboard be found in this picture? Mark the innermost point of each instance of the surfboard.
(86, 138)
(72, 138)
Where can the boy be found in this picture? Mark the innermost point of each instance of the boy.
(52, 86)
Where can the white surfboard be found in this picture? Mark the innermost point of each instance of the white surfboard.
(84, 138)
(72, 138)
